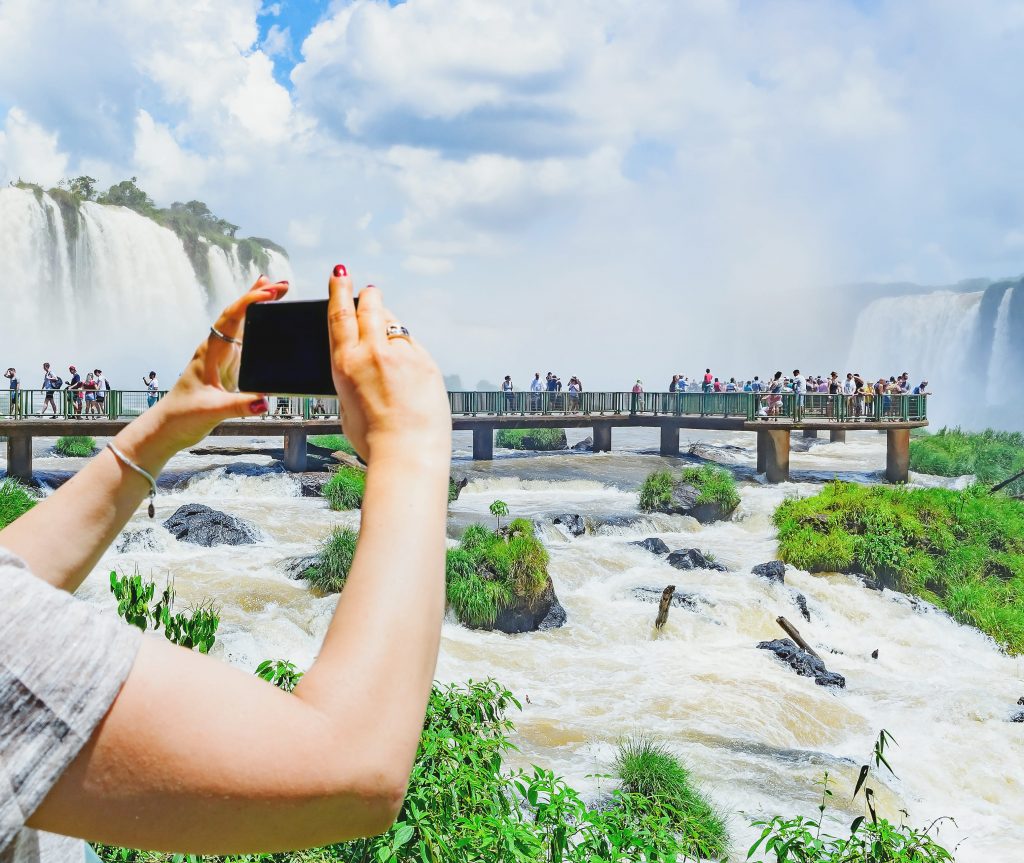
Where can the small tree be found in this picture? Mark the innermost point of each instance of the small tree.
(498, 509)
(83, 188)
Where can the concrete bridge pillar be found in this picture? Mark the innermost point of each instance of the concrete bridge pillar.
(295, 450)
(19, 456)
(810, 433)
(897, 455)
(483, 443)
(603, 438)
(837, 436)
(670, 440)
(773, 454)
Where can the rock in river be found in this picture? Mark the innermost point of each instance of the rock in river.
(572, 523)
(586, 444)
(773, 570)
(679, 599)
(201, 525)
(522, 615)
(146, 539)
(684, 501)
(802, 662)
(653, 545)
(694, 558)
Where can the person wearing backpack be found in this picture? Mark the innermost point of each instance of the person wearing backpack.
(75, 385)
(51, 384)
(102, 387)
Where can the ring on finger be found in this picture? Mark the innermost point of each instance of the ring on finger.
(396, 331)
(218, 334)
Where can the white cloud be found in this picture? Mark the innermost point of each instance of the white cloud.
(277, 42)
(30, 152)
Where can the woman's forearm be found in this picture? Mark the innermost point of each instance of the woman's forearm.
(63, 537)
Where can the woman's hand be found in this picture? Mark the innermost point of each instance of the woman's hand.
(206, 393)
(393, 400)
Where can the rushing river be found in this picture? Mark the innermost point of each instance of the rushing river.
(755, 734)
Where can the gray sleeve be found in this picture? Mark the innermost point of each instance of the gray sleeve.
(62, 663)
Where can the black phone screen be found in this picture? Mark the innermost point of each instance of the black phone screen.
(286, 349)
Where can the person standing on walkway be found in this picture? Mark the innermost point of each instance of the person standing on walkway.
(707, 381)
(102, 386)
(674, 385)
(89, 385)
(51, 383)
(152, 389)
(15, 390)
(75, 386)
(799, 390)
(536, 387)
(510, 393)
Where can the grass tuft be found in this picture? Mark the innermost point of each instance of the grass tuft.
(540, 439)
(715, 484)
(334, 561)
(333, 442)
(345, 489)
(15, 500)
(75, 445)
(991, 456)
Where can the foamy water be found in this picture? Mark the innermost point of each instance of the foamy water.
(756, 735)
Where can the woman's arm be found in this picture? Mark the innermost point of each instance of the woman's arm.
(197, 756)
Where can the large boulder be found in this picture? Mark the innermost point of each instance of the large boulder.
(693, 558)
(523, 615)
(684, 499)
(723, 454)
(653, 545)
(586, 444)
(802, 662)
(571, 523)
(773, 570)
(201, 525)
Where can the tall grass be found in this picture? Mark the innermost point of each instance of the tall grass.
(539, 439)
(78, 446)
(15, 500)
(345, 489)
(991, 456)
(334, 561)
(715, 485)
(333, 442)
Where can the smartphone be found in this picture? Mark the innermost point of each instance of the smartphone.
(286, 350)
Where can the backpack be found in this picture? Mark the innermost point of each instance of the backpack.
(58, 382)
(105, 381)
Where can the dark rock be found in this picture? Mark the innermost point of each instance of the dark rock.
(774, 570)
(201, 525)
(544, 612)
(683, 501)
(554, 618)
(693, 558)
(679, 599)
(653, 545)
(802, 662)
(724, 454)
(1020, 700)
(313, 482)
(1018, 716)
(245, 468)
(801, 603)
(146, 539)
(573, 523)
(455, 487)
(586, 444)
(870, 583)
(294, 567)
(874, 653)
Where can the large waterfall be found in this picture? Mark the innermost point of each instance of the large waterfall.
(111, 289)
(966, 344)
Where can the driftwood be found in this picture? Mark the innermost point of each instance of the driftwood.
(666, 604)
(1006, 482)
(793, 633)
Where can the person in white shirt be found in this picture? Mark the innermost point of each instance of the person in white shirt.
(536, 388)
(152, 389)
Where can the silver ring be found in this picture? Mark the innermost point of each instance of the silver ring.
(396, 331)
(215, 332)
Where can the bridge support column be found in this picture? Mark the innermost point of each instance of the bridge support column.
(483, 443)
(602, 438)
(670, 440)
(762, 451)
(19, 457)
(774, 445)
(810, 433)
(295, 450)
(897, 455)
(837, 436)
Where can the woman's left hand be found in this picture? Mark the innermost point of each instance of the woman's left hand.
(206, 393)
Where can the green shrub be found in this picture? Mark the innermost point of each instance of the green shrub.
(651, 771)
(15, 500)
(490, 569)
(334, 561)
(75, 445)
(656, 491)
(715, 485)
(962, 550)
(991, 456)
(333, 442)
(539, 439)
(134, 594)
(345, 489)
(282, 673)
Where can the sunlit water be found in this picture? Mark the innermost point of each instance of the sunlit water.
(756, 735)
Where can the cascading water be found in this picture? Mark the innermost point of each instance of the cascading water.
(755, 734)
(1001, 380)
(99, 289)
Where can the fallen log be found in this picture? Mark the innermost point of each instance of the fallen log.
(1006, 482)
(793, 633)
(666, 604)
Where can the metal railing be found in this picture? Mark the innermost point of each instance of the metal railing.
(795, 407)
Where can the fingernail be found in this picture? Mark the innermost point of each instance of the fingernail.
(259, 406)
(340, 270)
(283, 282)
(260, 276)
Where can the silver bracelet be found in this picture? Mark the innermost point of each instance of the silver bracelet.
(145, 474)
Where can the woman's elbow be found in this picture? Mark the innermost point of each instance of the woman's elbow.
(370, 801)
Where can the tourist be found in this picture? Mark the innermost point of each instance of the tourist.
(638, 388)
(707, 381)
(774, 399)
(89, 387)
(674, 385)
(152, 389)
(101, 733)
(731, 386)
(536, 387)
(510, 395)
(50, 384)
(15, 389)
(717, 386)
(835, 388)
(799, 388)
(318, 410)
(574, 394)
(102, 386)
(755, 385)
(74, 384)
(921, 389)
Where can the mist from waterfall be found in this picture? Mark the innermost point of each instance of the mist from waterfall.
(119, 292)
(1000, 380)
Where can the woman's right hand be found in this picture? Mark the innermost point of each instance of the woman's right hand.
(392, 396)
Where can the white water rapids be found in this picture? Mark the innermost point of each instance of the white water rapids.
(756, 735)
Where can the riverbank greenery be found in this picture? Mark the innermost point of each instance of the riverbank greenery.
(333, 561)
(345, 488)
(491, 568)
(715, 485)
(992, 456)
(962, 550)
(15, 500)
(75, 445)
(333, 442)
(137, 605)
(539, 439)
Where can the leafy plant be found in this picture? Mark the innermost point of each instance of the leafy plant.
(196, 629)
(656, 491)
(333, 562)
(75, 445)
(498, 508)
(333, 442)
(15, 500)
(345, 488)
(282, 673)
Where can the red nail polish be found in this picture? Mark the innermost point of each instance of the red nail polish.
(259, 406)
(284, 282)
(340, 270)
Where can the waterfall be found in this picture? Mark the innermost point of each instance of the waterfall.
(102, 286)
(1000, 378)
